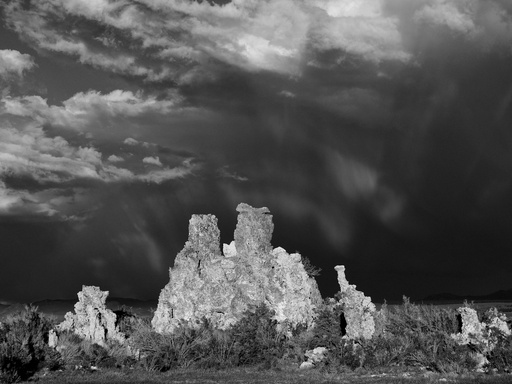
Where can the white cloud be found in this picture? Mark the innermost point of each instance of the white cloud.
(29, 152)
(130, 141)
(91, 110)
(486, 23)
(152, 160)
(160, 176)
(115, 159)
(271, 35)
(14, 63)
(449, 14)
(360, 28)
(350, 8)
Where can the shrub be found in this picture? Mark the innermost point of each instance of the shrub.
(125, 320)
(257, 339)
(328, 328)
(500, 357)
(186, 347)
(23, 345)
(407, 335)
(420, 335)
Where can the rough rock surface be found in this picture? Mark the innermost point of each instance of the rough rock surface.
(497, 322)
(53, 339)
(314, 357)
(482, 334)
(471, 331)
(220, 287)
(358, 309)
(92, 320)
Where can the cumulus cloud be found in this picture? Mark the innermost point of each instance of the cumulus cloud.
(176, 40)
(85, 108)
(29, 153)
(115, 159)
(14, 63)
(152, 160)
(130, 141)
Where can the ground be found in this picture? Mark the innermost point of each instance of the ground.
(259, 376)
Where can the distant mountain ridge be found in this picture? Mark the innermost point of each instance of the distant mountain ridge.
(494, 296)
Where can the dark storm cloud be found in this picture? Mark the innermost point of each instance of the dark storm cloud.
(376, 132)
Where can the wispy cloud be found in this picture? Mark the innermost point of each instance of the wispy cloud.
(31, 154)
(84, 109)
(226, 173)
(177, 40)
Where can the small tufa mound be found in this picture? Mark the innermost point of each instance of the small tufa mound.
(481, 334)
(92, 320)
(204, 283)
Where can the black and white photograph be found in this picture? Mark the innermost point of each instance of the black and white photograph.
(256, 191)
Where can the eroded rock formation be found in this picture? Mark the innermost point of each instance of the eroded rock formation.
(221, 286)
(92, 320)
(358, 309)
(482, 334)
(471, 329)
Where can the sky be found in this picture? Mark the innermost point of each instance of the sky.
(378, 133)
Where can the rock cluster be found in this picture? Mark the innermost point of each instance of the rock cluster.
(358, 309)
(481, 334)
(205, 283)
(314, 357)
(92, 320)
(471, 328)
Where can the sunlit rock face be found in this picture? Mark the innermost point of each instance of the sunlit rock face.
(92, 320)
(482, 334)
(471, 330)
(221, 286)
(358, 309)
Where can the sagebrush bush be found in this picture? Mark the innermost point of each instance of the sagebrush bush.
(187, 346)
(421, 336)
(23, 345)
(78, 353)
(500, 357)
(257, 338)
(406, 335)
(328, 328)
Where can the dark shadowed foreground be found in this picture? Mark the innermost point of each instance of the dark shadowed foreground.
(254, 375)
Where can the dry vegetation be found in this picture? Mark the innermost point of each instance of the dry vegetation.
(413, 344)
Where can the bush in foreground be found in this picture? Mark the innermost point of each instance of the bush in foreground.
(23, 345)
(409, 337)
